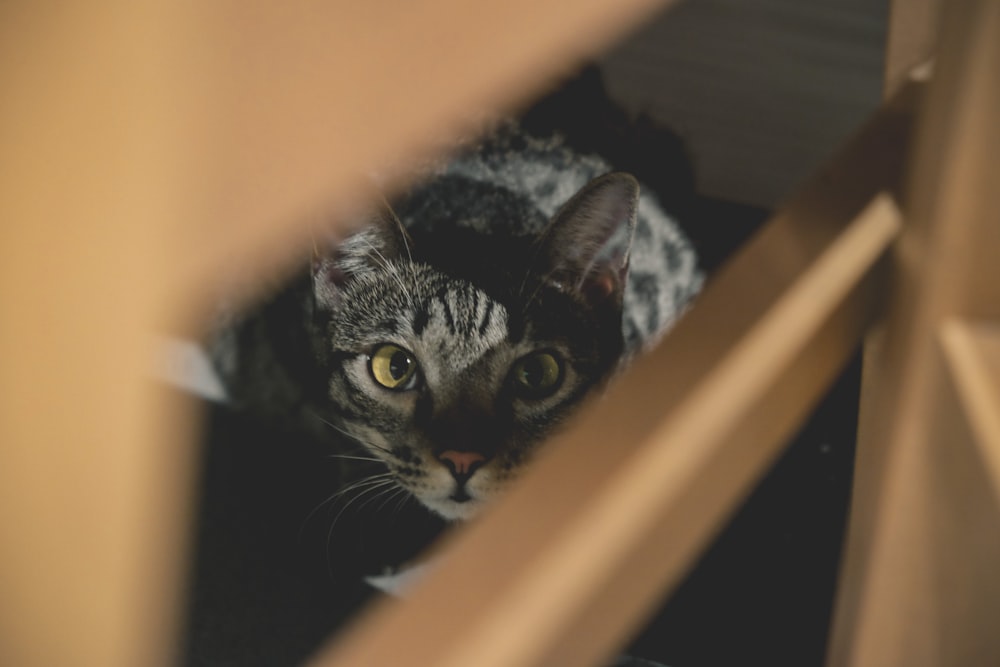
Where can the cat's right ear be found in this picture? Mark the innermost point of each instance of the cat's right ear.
(378, 241)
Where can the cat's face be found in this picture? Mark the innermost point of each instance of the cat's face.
(452, 382)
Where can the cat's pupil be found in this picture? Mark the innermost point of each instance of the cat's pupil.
(537, 376)
(532, 372)
(399, 364)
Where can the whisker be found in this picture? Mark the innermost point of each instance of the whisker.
(379, 448)
(333, 524)
(406, 243)
(354, 458)
(390, 269)
(390, 491)
(372, 480)
(329, 423)
(353, 439)
(399, 491)
(375, 486)
(534, 294)
(536, 248)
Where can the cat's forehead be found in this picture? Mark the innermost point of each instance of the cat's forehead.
(418, 305)
(456, 321)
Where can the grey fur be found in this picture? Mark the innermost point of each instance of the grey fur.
(548, 172)
(572, 286)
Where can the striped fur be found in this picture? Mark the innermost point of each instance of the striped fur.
(481, 269)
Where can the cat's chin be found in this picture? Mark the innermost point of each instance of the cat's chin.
(453, 510)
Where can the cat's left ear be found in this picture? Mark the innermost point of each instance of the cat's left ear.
(378, 241)
(586, 246)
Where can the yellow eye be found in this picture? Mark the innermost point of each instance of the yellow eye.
(537, 375)
(392, 366)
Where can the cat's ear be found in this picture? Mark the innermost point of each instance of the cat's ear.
(586, 246)
(378, 240)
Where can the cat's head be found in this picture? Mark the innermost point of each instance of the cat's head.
(451, 358)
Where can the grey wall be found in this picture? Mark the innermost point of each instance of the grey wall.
(762, 90)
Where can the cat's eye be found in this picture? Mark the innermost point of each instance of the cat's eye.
(393, 367)
(537, 375)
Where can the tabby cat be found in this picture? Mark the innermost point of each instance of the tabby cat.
(441, 342)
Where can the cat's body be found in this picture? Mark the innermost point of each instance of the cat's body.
(443, 355)
(403, 379)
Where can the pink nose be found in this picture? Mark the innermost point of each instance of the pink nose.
(461, 463)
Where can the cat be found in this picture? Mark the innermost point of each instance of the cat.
(409, 372)
(438, 344)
